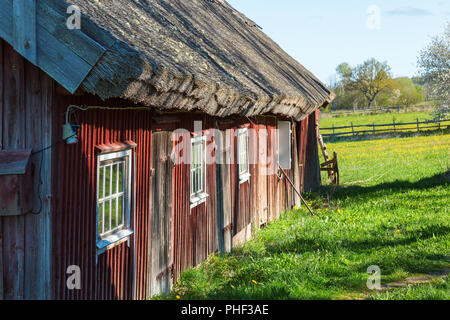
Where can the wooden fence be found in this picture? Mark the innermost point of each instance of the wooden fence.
(393, 127)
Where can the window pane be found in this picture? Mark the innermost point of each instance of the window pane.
(121, 167)
(100, 218)
(107, 181)
(107, 216)
(120, 210)
(114, 178)
(100, 183)
(114, 214)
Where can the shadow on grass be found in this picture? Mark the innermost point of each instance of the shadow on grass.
(398, 185)
(302, 245)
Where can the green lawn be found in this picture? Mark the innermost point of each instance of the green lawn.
(392, 211)
(382, 118)
(409, 119)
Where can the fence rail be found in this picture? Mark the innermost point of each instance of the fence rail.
(418, 126)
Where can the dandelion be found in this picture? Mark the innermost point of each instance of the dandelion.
(178, 297)
(295, 208)
(254, 282)
(317, 245)
(398, 231)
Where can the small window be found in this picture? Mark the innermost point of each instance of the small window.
(198, 170)
(284, 144)
(113, 198)
(244, 171)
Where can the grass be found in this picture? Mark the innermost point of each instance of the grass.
(382, 118)
(391, 211)
(436, 290)
(377, 119)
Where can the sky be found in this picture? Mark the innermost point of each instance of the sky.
(322, 34)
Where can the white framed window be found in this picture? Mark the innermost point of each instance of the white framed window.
(284, 144)
(242, 151)
(113, 198)
(198, 170)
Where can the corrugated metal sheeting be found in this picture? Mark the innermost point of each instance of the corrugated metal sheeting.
(169, 237)
(110, 275)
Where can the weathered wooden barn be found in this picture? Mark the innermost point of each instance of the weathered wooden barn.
(138, 139)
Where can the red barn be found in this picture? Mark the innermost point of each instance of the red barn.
(137, 137)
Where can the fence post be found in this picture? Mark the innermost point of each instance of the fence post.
(395, 129)
(353, 131)
(418, 126)
(439, 124)
(374, 128)
(333, 129)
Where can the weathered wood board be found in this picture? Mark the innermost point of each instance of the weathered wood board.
(223, 196)
(160, 255)
(25, 121)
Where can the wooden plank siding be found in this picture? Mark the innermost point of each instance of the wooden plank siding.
(25, 106)
(37, 29)
(312, 179)
(160, 253)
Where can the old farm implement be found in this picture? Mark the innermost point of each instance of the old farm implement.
(330, 165)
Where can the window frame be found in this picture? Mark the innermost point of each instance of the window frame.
(118, 235)
(198, 197)
(244, 175)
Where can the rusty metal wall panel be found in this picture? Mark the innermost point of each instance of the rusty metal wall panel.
(74, 193)
(195, 230)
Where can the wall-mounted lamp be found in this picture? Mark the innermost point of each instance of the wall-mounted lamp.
(70, 133)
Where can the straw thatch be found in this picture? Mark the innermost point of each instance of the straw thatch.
(197, 55)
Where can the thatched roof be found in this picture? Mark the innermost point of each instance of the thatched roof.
(197, 55)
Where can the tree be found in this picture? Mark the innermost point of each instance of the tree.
(368, 82)
(434, 66)
(409, 94)
(371, 78)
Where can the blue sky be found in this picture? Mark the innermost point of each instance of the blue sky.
(322, 34)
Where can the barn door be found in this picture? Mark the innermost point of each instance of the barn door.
(160, 254)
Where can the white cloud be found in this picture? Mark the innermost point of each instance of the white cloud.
(409, 11)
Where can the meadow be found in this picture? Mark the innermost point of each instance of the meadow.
(381, 118)
(392, 210)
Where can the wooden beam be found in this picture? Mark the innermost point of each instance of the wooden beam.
(1, 260)
(24, 29)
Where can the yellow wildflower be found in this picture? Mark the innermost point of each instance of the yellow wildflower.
(254, 282)
(178, 297)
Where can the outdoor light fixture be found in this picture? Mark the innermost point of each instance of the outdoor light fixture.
(69, 133)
